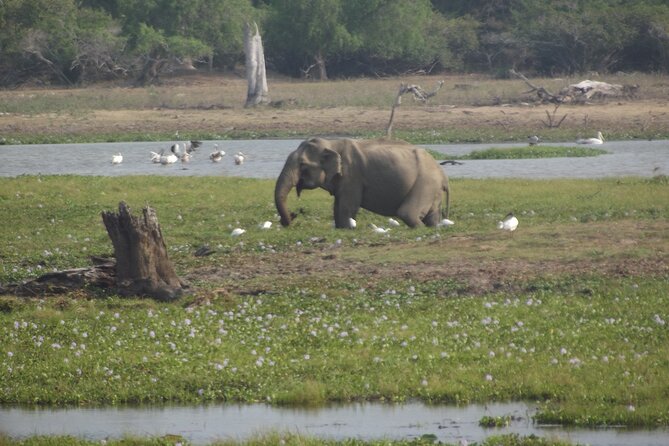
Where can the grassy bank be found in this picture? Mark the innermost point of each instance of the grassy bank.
(276, 439)
(570, 310)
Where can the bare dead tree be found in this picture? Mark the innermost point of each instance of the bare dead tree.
(256, 75)
(418, 95)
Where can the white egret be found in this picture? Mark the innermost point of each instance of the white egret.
(510, 223)
(393, 222)
(266, 225)
(352, 223)
(598, 140)
(237, 232)
(446, 222)
(378, 229)
(239, 158)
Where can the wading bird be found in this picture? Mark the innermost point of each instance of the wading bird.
(598, 140)
(239, 158)
(216, 155)
(117, 159)
(163, 159)
(533, 140)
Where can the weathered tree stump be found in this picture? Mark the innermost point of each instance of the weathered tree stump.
(143, 267)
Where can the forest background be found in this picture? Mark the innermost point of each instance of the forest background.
(75, 42)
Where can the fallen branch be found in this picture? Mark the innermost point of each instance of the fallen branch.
(544, 95)
(101, 275)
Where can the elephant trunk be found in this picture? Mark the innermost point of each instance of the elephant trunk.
(288, 179)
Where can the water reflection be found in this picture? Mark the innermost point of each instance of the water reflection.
(366, 421)
(265, 158)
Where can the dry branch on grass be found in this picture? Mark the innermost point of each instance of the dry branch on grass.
(543, 94)
(552, 122)
(580, 92)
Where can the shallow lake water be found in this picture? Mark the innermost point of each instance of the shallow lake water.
(265, 158)
(205, 424)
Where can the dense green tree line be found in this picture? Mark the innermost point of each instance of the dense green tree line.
(78, 41)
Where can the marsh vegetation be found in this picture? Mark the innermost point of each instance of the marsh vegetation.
(569, 310)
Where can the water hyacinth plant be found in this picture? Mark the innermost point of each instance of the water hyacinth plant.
(588, 344)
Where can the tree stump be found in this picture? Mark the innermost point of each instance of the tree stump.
(142, 265)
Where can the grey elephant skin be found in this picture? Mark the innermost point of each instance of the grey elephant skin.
(387, 177)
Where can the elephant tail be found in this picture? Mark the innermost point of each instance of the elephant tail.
(445, 210)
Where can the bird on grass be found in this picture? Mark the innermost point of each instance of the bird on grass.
(393, 222)
(445, 223)
(237, 232)
(117, 159)
(352, 223)
(378, 229)
(510, 223)
(598, 140)
(533, 140)
(265, 225)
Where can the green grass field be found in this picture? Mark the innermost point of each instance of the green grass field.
(590, 345)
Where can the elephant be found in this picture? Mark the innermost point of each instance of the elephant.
(388, 177)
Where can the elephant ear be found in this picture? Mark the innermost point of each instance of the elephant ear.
(331, 163)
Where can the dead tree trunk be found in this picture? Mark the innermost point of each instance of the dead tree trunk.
(256, 76)
(142, 265)
(418, 94)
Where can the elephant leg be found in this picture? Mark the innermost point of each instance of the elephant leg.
(344, 210)
(432, 218)
(421, 205)
(409, 216)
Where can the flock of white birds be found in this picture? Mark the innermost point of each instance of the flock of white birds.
(183, 152)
